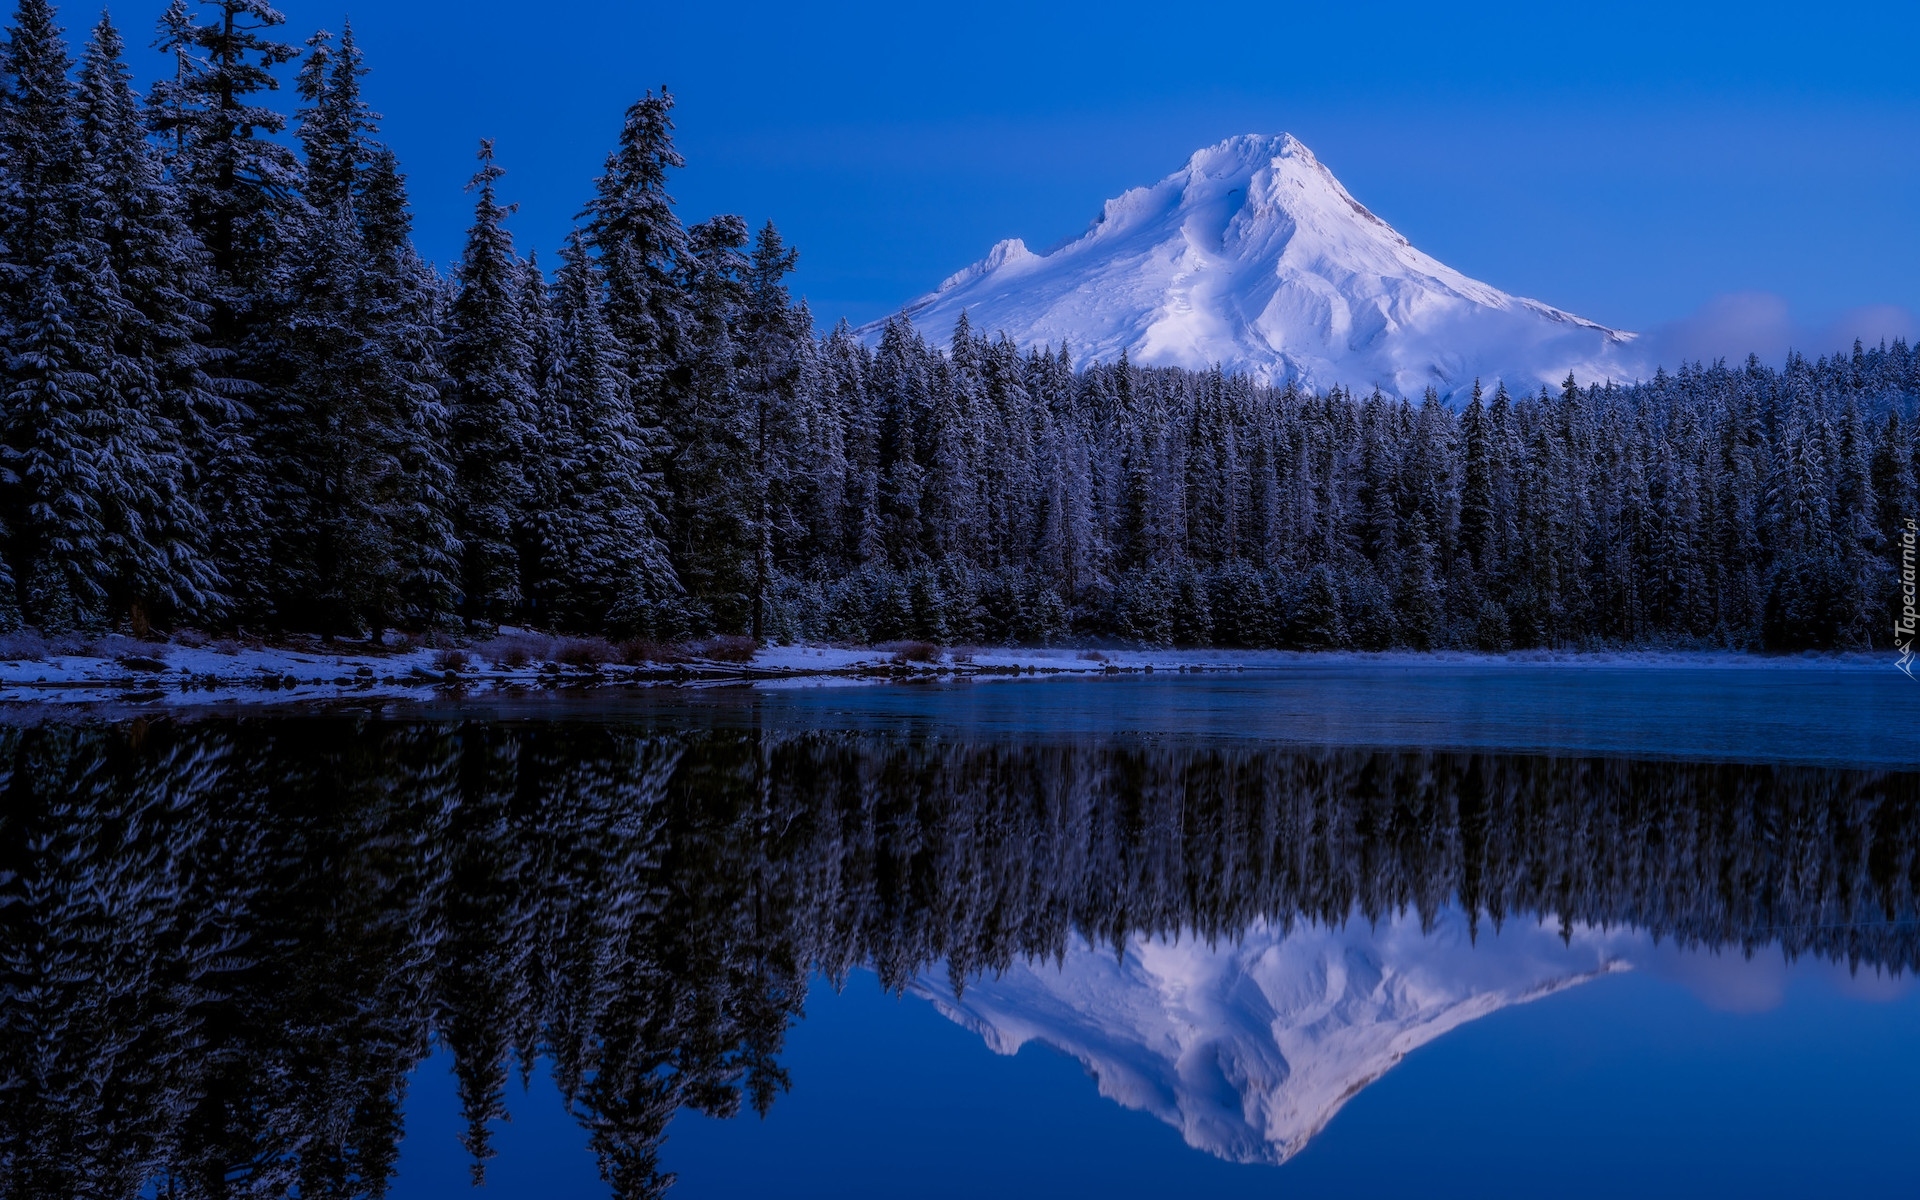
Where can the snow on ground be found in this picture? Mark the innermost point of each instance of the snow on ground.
(125, 670)
(1240, 660)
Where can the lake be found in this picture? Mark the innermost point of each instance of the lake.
(1353, 929)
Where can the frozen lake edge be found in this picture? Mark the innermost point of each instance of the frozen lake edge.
(1845, 709)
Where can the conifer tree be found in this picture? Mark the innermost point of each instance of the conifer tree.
(108, 528)
(778, 352)
(364, 537)
(845, 378)
(52, 435)
(642, 247)
(237, 182)
(603, 560)
(150, 293)
(404, 297)
(711, 423)
(1476, 491)
(241, 195)
(489, 358)
(1892, 480)
(41, 153)
(52, 426)
(899, 390)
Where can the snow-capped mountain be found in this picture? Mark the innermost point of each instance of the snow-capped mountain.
(1250, 1049)
(1254, 256)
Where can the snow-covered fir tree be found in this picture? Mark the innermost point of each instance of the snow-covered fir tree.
(364, 537)
(642, 247)
(710, 417)
(240, 188)
(597, 528)
(494, 404)
(151, 287)
(55, 420)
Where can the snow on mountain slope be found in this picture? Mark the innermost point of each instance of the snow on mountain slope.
(1250, 1049)
(1254, 256)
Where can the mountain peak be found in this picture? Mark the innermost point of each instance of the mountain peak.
(1251, 149)
(1255, 257)
(1012, 250)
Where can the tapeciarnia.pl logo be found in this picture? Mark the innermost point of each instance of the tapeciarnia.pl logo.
(1903, 629)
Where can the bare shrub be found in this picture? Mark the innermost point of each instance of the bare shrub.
(515, 650)
(192, 639)
(728, 649)
(1094, 656)
(75, 644)
(228, 647)
(641, 651)
(452, 660)
(131, 653)
(26, 645)
(913, 652)
(584, 652)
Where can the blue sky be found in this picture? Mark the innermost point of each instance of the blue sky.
(1752, 168)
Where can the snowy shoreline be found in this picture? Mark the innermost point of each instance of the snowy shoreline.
(124, 671)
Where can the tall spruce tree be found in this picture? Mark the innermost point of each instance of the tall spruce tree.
(53, 426)
(150, 290)
(642, 247)
(363, 533)
(711, 422)
(495, 400)
(329, 549)
(404, 296)
(237, 182)
(602, 560)
(107, 526)
(1477, 486)
(242, 197)
(778, 352)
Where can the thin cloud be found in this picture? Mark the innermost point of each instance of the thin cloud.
(1737, 324)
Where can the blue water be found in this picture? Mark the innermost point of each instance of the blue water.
(1854, 716)
(1697, 1073)
(1632, 1085)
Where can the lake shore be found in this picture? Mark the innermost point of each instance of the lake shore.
(122, 670)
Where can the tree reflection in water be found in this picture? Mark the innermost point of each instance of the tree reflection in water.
(227, 943)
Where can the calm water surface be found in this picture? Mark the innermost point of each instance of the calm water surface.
(1474, 931)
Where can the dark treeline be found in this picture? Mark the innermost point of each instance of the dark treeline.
(225, 945)
(236, 396)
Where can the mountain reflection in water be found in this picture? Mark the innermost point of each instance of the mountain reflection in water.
(225, 944)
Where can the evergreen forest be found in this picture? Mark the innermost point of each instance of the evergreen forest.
(225, 946)
(237, 398)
